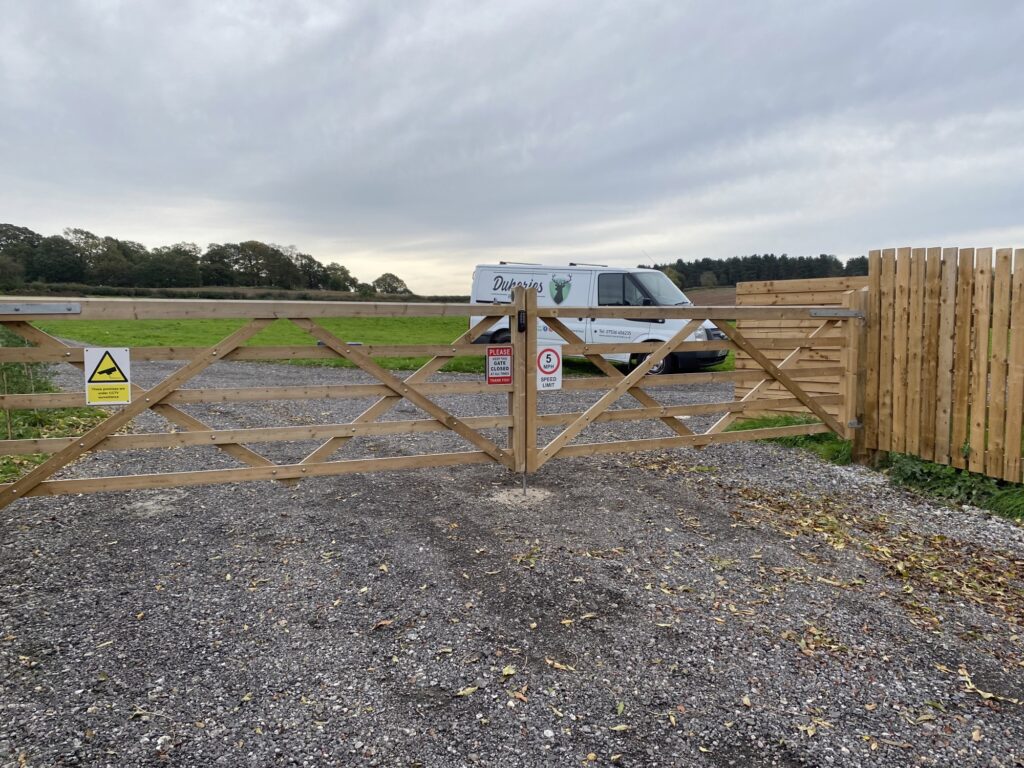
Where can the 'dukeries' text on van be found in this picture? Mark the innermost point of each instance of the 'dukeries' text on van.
(506, 284)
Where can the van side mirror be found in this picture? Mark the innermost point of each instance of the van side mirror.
(648, 303)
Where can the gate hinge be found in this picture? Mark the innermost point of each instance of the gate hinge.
(836, 313)
(24, 308)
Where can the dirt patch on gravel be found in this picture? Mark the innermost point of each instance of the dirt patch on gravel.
(742, 605)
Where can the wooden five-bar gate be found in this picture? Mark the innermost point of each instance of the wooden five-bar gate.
(522, 436)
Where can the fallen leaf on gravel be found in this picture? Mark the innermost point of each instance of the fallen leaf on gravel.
(383, 567)
(508, 671)
(521, 696)
(559, 665)
(566, 622)
(619, 728)
(586, 616)
(467, 690)
(443, 650)
(870, 707)
(615, 758)
(976, 734)
(591, 757)
(970, 687)
(383, 623)
(746, 701)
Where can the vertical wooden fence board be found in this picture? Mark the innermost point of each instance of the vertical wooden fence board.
(1000, 342)
(900, 363)
(888, 296)
(980, 354)
(930, 355)
(1015, 375)
(944, 366)
(962, 357)
(870, 352)
(915, 339)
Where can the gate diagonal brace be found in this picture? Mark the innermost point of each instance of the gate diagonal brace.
(611, 371)
(780, 376)
(791, 359)
(403, 389)
(388, 402)
(172, 414)
(605, 401)
(125, 415)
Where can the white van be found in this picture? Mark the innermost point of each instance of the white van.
(586, 285)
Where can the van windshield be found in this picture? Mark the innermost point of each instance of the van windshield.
(662, 290)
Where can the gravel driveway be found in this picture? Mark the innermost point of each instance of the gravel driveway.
(743, 605)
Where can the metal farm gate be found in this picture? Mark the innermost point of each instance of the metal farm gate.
(522, 435)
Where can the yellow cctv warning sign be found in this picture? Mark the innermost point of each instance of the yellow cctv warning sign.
(107, 376)
(107, 369)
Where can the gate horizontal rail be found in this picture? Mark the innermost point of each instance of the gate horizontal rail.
(524, 421)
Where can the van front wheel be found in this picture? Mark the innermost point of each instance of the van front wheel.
(665, 366)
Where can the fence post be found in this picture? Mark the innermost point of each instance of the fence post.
(517, 397)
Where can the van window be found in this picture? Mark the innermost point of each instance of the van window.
(616, 290)
(661, 289)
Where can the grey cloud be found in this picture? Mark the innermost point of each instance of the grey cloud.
(462, 130)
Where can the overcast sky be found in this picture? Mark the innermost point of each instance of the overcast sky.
(425, 137)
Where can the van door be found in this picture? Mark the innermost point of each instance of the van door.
(616, 289)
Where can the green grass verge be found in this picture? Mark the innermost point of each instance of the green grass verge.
(367, 330)
(21, 425)
(204, 333)
(937, 481)
(826, 445)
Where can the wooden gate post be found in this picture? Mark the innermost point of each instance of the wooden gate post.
(871, 403)
(857, 372)
(530, 384)
(517, 397)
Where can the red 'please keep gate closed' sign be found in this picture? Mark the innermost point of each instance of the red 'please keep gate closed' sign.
(499, 365)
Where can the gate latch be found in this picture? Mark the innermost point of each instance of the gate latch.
(521, 320)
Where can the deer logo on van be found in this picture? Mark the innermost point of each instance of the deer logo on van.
(560, 287)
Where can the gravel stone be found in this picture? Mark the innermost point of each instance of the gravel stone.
(732, 606)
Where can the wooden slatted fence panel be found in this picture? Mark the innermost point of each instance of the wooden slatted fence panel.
(950, 346)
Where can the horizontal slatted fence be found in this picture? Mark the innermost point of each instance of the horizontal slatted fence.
(828, 347)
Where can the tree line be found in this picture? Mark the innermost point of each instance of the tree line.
(707, 273)
(79, 256)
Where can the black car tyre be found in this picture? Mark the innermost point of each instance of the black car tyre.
(665, 366)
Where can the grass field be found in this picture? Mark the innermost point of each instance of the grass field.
(370, 330)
